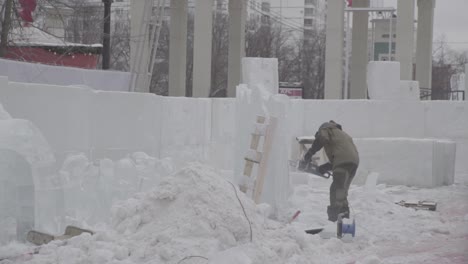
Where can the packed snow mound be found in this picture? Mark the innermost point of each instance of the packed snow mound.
(195, 212)
(194, 215)
(193, 202)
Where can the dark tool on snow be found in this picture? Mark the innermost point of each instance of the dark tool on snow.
(420, 205)
(314, 231)
(40, 238)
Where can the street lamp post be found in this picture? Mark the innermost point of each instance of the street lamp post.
(106, 36)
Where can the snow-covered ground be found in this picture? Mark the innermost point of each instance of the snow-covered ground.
(197, 216)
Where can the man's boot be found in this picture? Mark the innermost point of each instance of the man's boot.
(344, 210)
(332, 213)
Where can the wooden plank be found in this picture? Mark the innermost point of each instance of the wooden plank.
(249, 163)
(248, 168)
(256, 137)
(261, 119)
(259, 129)
(263, 166)
(254, 141)
(254, 156)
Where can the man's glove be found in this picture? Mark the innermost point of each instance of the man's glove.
(303, 165)
(308, 156)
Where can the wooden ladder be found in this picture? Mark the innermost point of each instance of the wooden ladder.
(254, 156)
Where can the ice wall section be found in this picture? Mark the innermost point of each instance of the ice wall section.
(406, 161)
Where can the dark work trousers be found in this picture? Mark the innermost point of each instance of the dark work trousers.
(343, 175)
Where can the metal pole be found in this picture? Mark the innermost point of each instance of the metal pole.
(142, 33)
(6, 23)
(152, 34)
(155, 49)
(106, 37)
(346, 86)
(390, 39)
(373, 42)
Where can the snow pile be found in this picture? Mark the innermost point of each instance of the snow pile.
(197, 213)
(193, 214)
(194, 205)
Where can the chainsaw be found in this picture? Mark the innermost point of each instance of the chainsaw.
(324, 170)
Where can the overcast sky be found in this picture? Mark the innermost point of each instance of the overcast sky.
(451, 19)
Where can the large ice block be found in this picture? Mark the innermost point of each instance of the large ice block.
(27, 72)
(122, 123)
(407, 161)
(261, 73)
(383, 80)
(186, 127)
(16, 194)
(410, 90)
(222, 132)
(446, 119)
(364, 118)
(61, 113)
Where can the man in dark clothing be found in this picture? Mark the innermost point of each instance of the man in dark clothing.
(344, 159)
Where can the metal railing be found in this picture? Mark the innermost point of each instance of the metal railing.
(437, 94)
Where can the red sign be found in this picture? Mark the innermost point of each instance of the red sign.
(291, 92)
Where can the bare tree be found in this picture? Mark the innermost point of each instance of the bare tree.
(189, 68)
(85, 23)
(120, 43)
(445, 63)
(219, 59)
(6, 24)
(313, 63)
(160, 78)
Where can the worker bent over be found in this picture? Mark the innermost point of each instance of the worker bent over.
(344, 158)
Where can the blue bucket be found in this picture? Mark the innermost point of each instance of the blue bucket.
(343, 228)
(348, 228)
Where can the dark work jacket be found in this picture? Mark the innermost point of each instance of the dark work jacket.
(338, 145)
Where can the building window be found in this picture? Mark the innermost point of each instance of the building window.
(265, 7)
(308, 22)
(310, 2)
(388, 36)
(308, 11)
(252, 4)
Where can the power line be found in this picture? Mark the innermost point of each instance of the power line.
(281, 17)
(300, 29)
